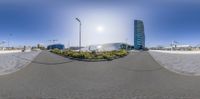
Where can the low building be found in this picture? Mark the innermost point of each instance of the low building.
(107, 47)
(56, 46)
(174, 47)
(182, 47)
(40, 46)
(74, 48)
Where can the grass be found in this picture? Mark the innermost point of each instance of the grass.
(106, 55)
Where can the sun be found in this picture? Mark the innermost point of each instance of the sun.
(100, 28)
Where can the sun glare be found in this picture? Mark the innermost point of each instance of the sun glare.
(100, 28)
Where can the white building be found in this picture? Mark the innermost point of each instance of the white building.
(107, 47)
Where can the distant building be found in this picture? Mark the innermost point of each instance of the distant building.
(139, 36)
(182, 47)
(107, 47)
(75, 48)
(54, 46)
(175, 47)
(40, 46)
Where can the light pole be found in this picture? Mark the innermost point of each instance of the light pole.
(79, 33)
(51, 42)
(68, 44)
(9, 40)
(126, 43)
(54, 41)
(171, 45)
(2, 43)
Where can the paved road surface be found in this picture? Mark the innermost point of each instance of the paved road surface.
(136, 76)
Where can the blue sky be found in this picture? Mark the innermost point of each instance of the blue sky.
(32, 22)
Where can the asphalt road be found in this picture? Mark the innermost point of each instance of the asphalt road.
(136, 76)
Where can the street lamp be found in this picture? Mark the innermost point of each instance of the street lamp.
(2, 43)
(79, 33)
(126, 43)
(9, 40)
(54, 41)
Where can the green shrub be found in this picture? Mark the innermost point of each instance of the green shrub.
(108, 55)
(87, 55)
(121, 53)
(75, 55)
(56, 51)
(99, 57)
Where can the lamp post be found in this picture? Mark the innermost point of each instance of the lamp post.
(9, 40)
(126, 43)
(51, 42)
(2, 43)
(54, 41)
(79, 33)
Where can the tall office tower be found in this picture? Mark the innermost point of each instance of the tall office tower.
(139, 36)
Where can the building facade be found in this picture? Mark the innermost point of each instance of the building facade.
(56, 46)
(107, 47)
(139, 36)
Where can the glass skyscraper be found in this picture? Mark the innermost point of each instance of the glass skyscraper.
(139, 37)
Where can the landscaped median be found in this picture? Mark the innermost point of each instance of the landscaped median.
(91, 56)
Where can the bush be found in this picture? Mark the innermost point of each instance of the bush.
(99, 57)
(107, 56)
(87, 55)
(121, 53)
(75, 55)
(57, 51)
(84, 55)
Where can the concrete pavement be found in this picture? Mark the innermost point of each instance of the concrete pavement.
(136, 76)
